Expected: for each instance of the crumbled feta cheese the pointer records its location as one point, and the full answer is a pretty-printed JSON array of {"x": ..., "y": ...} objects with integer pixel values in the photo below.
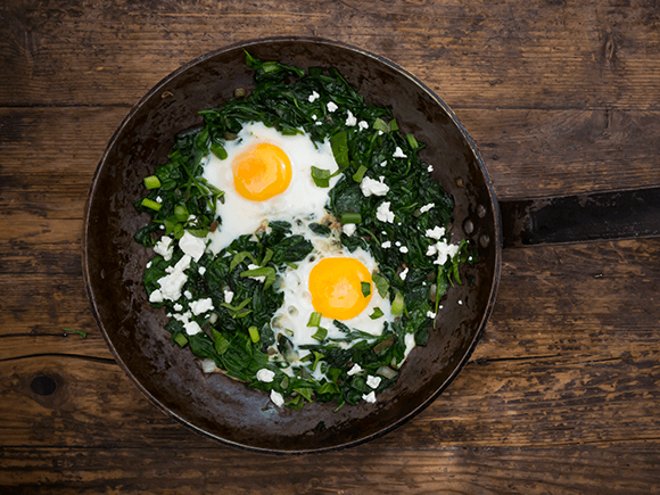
[
  {"x": 383, "y": 212},
  {"x": 397, "y": 243},
  {"x": 431, "y": 314},
  {"x": 354, "y": 370},
  {"x": 426, "y": 208},
  {"x": 178, "y": 307},
  {"x": 403, "y": 249},
  {"x": 156, "y": 296},
  {"x": 349, "y": 229},
  {"x": 443, "y": 250},
  {"x": 159, "y": 199},
  {"x": 430, "y": 168},
  {"x": 351, "y": 120},
  {"x": 398, "y": 153},
  {"x": 380, "y": 133},
  {"x": 362, "y": 125},
  {"x": 436, "y": 233},
  {"x": 201, "y": 306},
  {"x": 277, "y": 398},
  {"x": 165, "y": 247},
  {"x": 460, "y": 302},
  {"x": 370, "y": 397},
  {"x": 171, "y": 284},
  {"x": 313, "y": 97},
  {"x": 370, "y": 186},
  {"x": 409, "y": 340},
  {"x": 386, "y": 245},
  {"x": 192, "y": 246},
  {"x": 202, "y": 270},
  {"x": 383, "y": 163},
  {"x": 229, "y": 296},
  {"x": 314, "y": 117},
  {"x": 265, "y": 375},
  {"x": 149, "y": 264},
  {"x": 404, "y": 274},
  {"x": 332, "y": 106},
  {"x": 188, "y": 294},
  {"x": 373, "y": 381},
  {"x": 192, "y": 328}
]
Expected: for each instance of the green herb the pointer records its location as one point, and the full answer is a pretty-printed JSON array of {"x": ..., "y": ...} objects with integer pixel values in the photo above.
[
  {"x": 366, "y": 288},
  {"x": 377, "y": 313},
  {"x": 320, "y": 334},
  {"x": 350, "y": 218},
  {"x": 321, "y": 177},
  {"x": 314, "y": 320}
]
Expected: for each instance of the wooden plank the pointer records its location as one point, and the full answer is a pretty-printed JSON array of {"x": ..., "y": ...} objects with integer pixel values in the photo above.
[
  {"x": 126, "y": 471},
  {"x": 537, "y": 54}
]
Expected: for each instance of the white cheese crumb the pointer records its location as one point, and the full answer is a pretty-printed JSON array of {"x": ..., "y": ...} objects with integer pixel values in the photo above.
[
  {"x": 192, "y": 246},
  {"x": 409, "y": 340},
  {"x": 178, "y": 307},
  {"x": 386, "y": 245},
  {"x": 349, "y": 229},
  {"x": 192, "y": 328},
  {"x": 277, "y": 398},
  {"x": 313, "y": 97},
  {"x": 404, "y": 274},
  {"x": 156, "y": 296},
  {"x": 430, "y": 168},
  {"x": 149, "y": 264},
  {"x": 436, "y": 233},
  {"x": 397, "y": 243},
  {"x": 370, "y": 397},
  {"x": 398, "y": 153},
  {"x": 460, "y": 302},
  {"x": 171, "y": 284},
  {"x": 362, "y": 125},
  {"x": 159, "y": 199},
  {"x": 188, "y": 294},
  {"x": 403, "y": 249},
  {"x": 314, "y": 117},
  {"x": 201, "y": 306},
  {"x": 380, "y": 133},
  {"x": 351, "y": 120},
  {"x": 431, "y": 314},
  {"x": 354, "y": 370},
  {"x": 265, "y": 375},
  {"x": 426, "y": 208},
  {"x": 443, "y": 250},
  {"x": 165, "y": 247},
  {"x": 260, "y": 278},
  {"x": 202, "y": 270},
  {"x": 383, "y": 163},
  {"x": 332, "y": 106},
  {"x": 373, "y": 381},
  {"x": 229, "y": 295},
  {"x": 383, "y": 212},
  {"x": 370, "y": 186}
]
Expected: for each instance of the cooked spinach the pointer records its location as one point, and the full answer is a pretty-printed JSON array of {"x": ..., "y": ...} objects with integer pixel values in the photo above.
[{"x": 241, "y": 280}]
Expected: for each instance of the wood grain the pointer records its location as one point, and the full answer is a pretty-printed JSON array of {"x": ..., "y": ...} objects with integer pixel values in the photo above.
[{"x": 562, "y": 392}]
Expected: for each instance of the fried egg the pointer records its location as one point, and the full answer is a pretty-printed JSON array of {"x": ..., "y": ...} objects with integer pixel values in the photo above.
[{"x": 267, "y": 176}]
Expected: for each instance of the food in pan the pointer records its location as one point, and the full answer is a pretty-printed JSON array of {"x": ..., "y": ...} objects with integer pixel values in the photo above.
[{"x": 301, "y": 245}]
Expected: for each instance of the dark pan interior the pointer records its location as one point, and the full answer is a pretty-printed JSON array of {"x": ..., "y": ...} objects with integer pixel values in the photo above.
[{"x": 213, "y": 404}]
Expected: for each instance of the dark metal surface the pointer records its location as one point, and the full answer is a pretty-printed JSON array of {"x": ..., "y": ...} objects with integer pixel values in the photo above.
[
  {"x": 585, "y": 217},
  {"x": 215, "y": 405}
]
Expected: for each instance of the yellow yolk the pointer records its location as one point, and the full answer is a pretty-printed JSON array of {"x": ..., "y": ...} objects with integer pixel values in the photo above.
[
  {"x": 261, "y": 172},
  {"x": 336, "y": 287}
]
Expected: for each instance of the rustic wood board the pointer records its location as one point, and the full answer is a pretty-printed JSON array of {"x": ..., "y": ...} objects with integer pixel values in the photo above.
[{"x": 562, "y": 392}]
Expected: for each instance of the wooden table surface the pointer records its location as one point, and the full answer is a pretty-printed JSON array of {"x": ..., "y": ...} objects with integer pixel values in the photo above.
[{"x": 562, "y": 394}]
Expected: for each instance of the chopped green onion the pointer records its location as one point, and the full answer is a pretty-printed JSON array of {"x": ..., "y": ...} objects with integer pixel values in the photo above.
[
  {"x": 239, "y": 258},
  {"x": 412, "y": 141},
  {"x": 357, "y": 176},
  {"x": 220, "y": 343},
  {"x": 380, "y": 125},
  {"x": 366, "y": 288},
  {"x": 218, "y": 150},
  {"x": 265, "y": 271},
  {"x": 150, "y": 203},
  {"x": 152, "y": 182},
  {"x": 321, "y": 177},
  {"x": 268, "y": 255},
  {"x": 317, "y": 358},
  {"x": 320, "y": 334},
  {"x": 181, "y": 339},
  {"x": 376, "y": 314},
  {"x": 397, "y": 304},
  {"x": 386, "y": 371},
  {"x": 270, "y": 66},
  {"x": 350, "y": 218},
  {"x": 314, "y": 320},
  {"x": 254, "y": 334},
  {"x": 393, "y": 125},
  {"x": 382, "y": 285}
]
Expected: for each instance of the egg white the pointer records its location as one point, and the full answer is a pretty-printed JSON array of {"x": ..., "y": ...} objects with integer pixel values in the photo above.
[{"x": 303, "y": 199}]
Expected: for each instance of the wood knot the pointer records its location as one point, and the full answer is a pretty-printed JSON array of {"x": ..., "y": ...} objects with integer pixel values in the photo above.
[
  {"x": 610, "y": 49},
  {"x": 43, "y": 385}
]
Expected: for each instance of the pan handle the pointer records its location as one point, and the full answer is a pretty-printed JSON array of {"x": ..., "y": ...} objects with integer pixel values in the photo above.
[{"x": 585, "y": 217}]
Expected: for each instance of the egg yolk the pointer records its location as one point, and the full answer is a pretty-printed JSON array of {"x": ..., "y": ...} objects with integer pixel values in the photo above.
[
  {"x": 336, "y": 287},
  {"x": 261, "y": 172}
]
